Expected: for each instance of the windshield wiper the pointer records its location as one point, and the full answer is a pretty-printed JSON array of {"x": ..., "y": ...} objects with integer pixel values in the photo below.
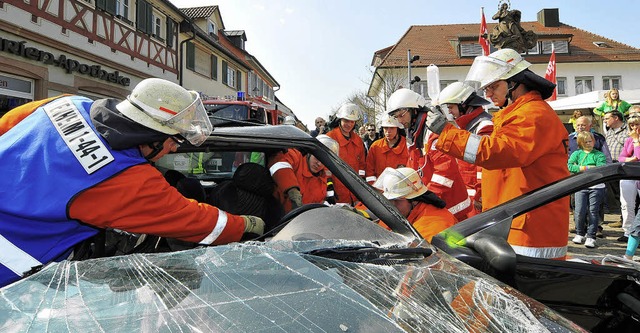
[{"x": 373, "y": 255}]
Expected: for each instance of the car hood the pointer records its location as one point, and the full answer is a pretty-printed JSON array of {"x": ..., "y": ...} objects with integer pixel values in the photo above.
[{"x": 274, "y": 286}]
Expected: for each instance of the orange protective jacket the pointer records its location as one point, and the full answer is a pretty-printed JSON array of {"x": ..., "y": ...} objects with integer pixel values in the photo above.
[
  {"x": 471, "y": 173},
  {"x": 381, "y": 156},
  {"x": 430, "y": 220},
  {"x": 526, "y": 150},
  {"x": 352, "y": 151},
  {"x": 291, "y": 169},
  {"x": 440, "y": 173},
  {"x": 139, "y": 200}
]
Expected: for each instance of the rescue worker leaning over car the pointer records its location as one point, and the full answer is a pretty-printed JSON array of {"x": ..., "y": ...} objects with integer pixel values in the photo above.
[
  {"x": 72, "y": 166},
  {"x": 467, "y": 110},
  {"x": 438, "y": 171},
  {"x": 525, "y": 151},
  {"x": 352, "y": 149},
  {"x": 422, "y": 208},
  {"x": 301, "y": 179}
]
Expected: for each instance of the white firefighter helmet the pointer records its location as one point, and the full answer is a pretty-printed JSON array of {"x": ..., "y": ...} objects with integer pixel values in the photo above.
[
  {"x": 499, "y": 65},
  {"x": 400, "y": 183},
  {"x": 460, "y": 93},
  {"x": 348, "y": 111},
  {"x": 329, "y": 142},
  {"x": 405, "y": 98},
  {"x": 388, "y": 121},
  {"x": 168, "y": 108},
  {"x": 289, "y": 120}
]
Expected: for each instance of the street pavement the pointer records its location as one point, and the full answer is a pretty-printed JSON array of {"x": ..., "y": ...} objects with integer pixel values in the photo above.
[{"x": 604, "y": 246}]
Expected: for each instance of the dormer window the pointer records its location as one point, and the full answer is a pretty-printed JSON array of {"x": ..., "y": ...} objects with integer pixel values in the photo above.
[
  {"x": 212, "y": 30},
  {"x": 603, "y": 45}
]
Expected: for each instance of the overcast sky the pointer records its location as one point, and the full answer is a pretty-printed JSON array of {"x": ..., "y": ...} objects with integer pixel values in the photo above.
[{"x": 319, "y": 51}]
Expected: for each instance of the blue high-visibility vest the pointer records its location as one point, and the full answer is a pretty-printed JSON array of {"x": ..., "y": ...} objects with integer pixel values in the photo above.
[{"x": 46, "y": 160}]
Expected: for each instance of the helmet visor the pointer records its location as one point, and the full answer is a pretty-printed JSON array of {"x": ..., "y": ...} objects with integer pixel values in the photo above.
[
  {"x": 486, "y": 70},
  {"x": 192, "y": 122}
]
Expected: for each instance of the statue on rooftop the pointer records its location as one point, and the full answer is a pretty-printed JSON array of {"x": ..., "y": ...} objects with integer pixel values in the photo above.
[{"x": 508, "y": 33}]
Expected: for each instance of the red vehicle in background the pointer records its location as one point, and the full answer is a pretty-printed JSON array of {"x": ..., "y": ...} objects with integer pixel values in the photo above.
[{"x": 231, "y": 111}]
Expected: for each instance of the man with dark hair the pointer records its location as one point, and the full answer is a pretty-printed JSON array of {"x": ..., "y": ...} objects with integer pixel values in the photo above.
[{"x": 370, "y": 136}]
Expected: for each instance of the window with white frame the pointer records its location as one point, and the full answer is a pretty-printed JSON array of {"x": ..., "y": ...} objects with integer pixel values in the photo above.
[
  {"x": 609, "y": 82},
  {"x": 561, "y": 86},
  {"x": 122, "y": 8},
  {"x": 584, "y": 84},
  {"x": 158, "y": 24},
  {"x": 211, "y": 28},
  {"x": 231, "y": 77},
  {"x": 561, "y": 46}
]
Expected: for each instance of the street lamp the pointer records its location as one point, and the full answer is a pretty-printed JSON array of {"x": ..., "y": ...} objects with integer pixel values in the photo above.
[{"x": 410, "y": 60}]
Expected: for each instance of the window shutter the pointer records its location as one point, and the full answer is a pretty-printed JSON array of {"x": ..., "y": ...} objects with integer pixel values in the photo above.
[
  {"x": 224, "y": 72},
  {"x": 101, "y": 4},
  {"x": 144, "y": 17},
  {"x": 239, "y": 80},
  {"x": 171, "y": 26},
  {"x": 191, "y": 56},
  {"x": 111, "y": 6},
  {"x": 214, "y": 67}
]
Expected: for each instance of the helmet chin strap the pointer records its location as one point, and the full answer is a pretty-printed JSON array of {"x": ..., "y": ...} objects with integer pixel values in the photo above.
[
  {"x": 157, "y": 148},
  {"x": 510, "y": 91}
]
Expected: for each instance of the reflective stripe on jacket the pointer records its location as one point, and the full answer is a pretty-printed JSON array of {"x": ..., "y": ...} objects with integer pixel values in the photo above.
[
  {"x": 440, "y": 173},
  {"x": 525, "y": 151},
  {"x": 291, "y": 169}
]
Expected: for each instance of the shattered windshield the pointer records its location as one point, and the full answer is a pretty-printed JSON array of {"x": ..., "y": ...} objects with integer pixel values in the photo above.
[{"x": 267, "y": 287}]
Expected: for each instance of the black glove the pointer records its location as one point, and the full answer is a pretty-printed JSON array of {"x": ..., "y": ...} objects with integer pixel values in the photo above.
[{"x": 436, "y": 120}]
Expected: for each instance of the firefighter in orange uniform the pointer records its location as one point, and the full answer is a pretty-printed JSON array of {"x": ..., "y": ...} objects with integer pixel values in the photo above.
[
  {"x": 390, "y": 151},
  {"x": 352, "y": 149},
  {"x": 525, "y": 151},
  {"x": 422, "y": 208},
  {"x": 466, "y": 108},
  {"x": 300, "y": 179},
  {"x": 438, "y": 171}
]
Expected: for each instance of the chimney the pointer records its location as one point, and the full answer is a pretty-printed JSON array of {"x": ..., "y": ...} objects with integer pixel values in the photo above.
[{"x": 549, "y": 17}]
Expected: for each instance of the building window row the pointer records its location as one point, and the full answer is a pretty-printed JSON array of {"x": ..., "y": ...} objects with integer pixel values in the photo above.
[{"x": 542, "y": 47}]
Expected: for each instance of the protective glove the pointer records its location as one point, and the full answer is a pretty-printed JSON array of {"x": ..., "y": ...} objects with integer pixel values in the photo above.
[
  {"x": 253, "y": 224},
  {"x": 295, "y": 197},
  {"x": 436, "y": 120}
]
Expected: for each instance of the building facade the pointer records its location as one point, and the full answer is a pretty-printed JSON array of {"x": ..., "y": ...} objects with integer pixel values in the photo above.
[
  {"x": 103, "y": 48},
  {"x": 585, "y": 61}
]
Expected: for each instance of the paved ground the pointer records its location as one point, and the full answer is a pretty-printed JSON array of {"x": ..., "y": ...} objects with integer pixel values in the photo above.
[{"x": 604, "y": 246}]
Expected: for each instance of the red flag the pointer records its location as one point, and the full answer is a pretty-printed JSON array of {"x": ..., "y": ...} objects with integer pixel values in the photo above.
[
  {"x": 550, "y": 74},
  {"x": 482, "y": 38}
]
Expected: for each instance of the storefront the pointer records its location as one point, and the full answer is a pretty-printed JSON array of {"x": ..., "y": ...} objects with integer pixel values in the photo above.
[{"x": 14, "y": 91}]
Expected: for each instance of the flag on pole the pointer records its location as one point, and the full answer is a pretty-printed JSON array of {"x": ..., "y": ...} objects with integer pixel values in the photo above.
[
  {"x": 482, "y": 38},
  {"x": 550, "y": 74}
]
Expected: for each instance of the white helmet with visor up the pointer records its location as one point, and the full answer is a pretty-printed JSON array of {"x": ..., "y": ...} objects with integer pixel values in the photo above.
[
  {"x": 460, "y": 93},
  {"x": 348, "y": 111},
  {"x": 329, "y": 142},
  {"x": 405, "y": 98},
  {"x": 389, "y": 121},
  {"x": 400, "y": 183},
  {"x": 499, "y": 65},
  {"x": 168, "y": 108}
]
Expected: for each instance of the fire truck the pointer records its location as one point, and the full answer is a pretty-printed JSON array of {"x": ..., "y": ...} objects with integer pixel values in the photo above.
[{"x": 235, "y": 110}]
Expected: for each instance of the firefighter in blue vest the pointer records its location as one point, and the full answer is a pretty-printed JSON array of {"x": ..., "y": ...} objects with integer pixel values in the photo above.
[{"x": 72, "y": 166}]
